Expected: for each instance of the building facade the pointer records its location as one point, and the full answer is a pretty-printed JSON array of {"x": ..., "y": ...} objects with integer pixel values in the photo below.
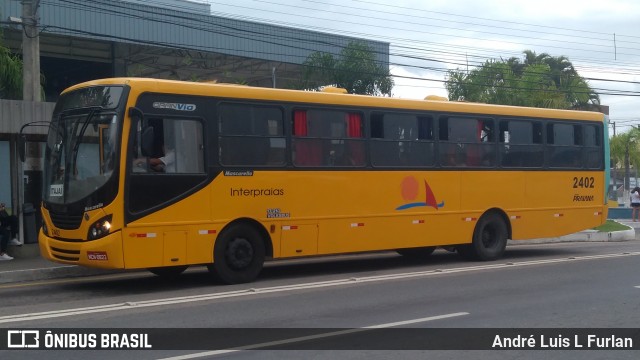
[{"x": 170, "y": 39}]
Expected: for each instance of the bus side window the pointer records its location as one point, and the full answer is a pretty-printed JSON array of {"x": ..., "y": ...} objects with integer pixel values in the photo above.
[
  {"x": 458, "y": 134},
  {"x": 355, "y": 148},
  {"x": 186, "y": 140},
  {"x": 592, "y": 147},
  {"x": 327, "y": 138},
  {"x": 308, "y": 152},
  {"x": 402, "y": 140},
  {"x": 563, "y": 145},
  {"x": 521, "y": 144},
  {"x": 251, "y": 135}
]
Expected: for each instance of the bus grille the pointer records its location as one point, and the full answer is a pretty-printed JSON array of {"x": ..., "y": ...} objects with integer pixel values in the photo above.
[
  {"x": 66, "y": 255},
  {"x": 65, "y": 221}
]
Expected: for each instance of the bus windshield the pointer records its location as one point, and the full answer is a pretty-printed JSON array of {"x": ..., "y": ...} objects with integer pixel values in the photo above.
[{"x": 82, "y": 146}]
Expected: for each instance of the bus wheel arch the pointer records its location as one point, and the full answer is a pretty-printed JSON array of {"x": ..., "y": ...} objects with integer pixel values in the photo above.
[
  {"x": 239, "y": 251},
  {"x": 490, "y": 236}
]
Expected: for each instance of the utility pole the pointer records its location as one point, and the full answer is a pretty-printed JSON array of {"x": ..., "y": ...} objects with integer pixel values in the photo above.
[
  {"x": 614, "y": 128},
  {"x": 30, "y": 51},
  {"x": 273, "y": 76},
  {"x": 30, "y": 83}
]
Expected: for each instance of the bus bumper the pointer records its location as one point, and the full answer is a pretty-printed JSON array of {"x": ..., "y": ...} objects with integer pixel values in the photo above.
[{"x": 105, "y": 253}]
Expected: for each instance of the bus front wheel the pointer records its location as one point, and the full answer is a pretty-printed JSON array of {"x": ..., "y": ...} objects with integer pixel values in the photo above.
[
  {"x": 238, "y": 254},
  {"x": 489, "y": 239}
]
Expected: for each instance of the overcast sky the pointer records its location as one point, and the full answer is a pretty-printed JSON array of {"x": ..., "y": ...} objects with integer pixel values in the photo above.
[{"x": 428, "y": 37}]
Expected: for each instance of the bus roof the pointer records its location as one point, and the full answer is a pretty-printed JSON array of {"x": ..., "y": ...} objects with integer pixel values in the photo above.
[{"x": 141, "y": 85}]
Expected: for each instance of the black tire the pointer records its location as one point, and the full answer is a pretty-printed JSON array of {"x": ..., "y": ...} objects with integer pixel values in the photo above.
[
  {"x": 169, "y": 272},
  {"x": 417, "y": 253},
  {"x": 489, "y": 239},
  {"x": 238, "y": 255}
]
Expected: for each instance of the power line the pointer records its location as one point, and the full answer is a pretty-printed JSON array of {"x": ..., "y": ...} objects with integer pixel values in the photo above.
[
  {"x": 480, "y": 18},
  {"x": 236, "y": 29},
  {"x": 85, "y": 6},
  {"x": 265, "y": 20}
]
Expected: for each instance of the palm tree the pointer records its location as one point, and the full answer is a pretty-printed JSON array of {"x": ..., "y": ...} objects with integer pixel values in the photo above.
[
  {"x": 560, "y": 66},
  {"x": 531, "y": 58},
  {"x": 516, "y": 66},
  {"x": 577, "y": 91},
  {"x": 355, "y": 69}
]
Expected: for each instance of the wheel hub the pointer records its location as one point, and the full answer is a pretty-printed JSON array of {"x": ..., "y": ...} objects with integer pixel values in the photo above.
[{"x": 239, "y": 253}]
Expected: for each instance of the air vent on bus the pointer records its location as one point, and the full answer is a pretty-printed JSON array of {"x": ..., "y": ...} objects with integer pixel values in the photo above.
[
  {"x": 334, "y": 90},
  {"x": 66, "y": 221},
  {"x": 66, "y": 255},
  {"x": 436, "y": 98}
]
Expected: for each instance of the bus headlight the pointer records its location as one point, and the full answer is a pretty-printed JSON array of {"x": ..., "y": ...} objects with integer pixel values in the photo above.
[
  {"x": 100, "y": 228},
  {"x": 44, "y": 228}
]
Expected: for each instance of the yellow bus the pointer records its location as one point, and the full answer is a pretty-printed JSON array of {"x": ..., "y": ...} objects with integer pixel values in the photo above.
[{"x": 158, "y": 174}]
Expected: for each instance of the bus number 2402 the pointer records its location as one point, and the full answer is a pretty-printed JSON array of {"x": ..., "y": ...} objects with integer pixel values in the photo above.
[{"x": 583, "y": 182}]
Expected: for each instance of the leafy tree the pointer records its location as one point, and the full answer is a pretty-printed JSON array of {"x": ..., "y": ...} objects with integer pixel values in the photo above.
[
  {"x": 355, "y": 69},
  {"x": 10, "y": 74},
  {"x": 625, "y": 149},
  {"x": 537, "y": 80}
]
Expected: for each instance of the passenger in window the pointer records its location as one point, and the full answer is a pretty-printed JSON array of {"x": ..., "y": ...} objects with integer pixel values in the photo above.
[{"x": 166, "y": 163}]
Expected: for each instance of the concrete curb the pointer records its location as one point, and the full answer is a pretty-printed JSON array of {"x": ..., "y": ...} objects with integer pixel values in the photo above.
[
  {"x": 28, "y": 265},
  {"x": 584, "y": 236},
  {"x": 49, "y": 273}
]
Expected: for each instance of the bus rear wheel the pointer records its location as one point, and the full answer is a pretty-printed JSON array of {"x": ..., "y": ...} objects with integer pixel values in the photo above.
[
  {"x": 238, "y": 255},
  {"x": 417, "y": 253},
  {"x": 168, "y": 272},
  {"x": 489, "y": 239}
]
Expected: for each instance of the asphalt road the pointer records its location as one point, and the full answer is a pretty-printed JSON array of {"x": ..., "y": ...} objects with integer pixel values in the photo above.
[{"x": 568, "y": 285}]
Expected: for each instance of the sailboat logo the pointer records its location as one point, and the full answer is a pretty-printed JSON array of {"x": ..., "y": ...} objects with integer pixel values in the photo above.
[{"x": 410, "y": 189}]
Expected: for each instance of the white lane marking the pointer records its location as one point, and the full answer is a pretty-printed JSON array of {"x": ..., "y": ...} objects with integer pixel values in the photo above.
[
  {"x": 314, "y": 337},
  {"x": 288, "y": 288},
  {"x": 637, "y": 286}
]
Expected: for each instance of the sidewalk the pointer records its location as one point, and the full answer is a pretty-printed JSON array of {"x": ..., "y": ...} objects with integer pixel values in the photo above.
[
  {"x": 592, "y": 235},
  {"x": 27, "y": 264}
]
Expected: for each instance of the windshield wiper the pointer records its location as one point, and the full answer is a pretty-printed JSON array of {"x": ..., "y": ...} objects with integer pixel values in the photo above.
[
  {"x": 93, "y": 111},
  {"x": 72, "y": 160}
]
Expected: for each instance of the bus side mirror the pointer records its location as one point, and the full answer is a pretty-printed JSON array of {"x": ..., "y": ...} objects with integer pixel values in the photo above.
[
  {"x": 22, "y": 142},
  {"x": 135, "y": 112},
  {"x": 146, "y": 141}
]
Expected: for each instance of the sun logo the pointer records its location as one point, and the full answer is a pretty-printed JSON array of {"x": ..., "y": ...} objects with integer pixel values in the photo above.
[{"x": 410, "y": 189}]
